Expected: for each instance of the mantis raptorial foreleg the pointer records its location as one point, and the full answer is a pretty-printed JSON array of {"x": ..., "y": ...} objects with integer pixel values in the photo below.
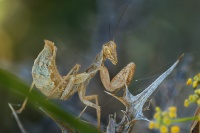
[
  {"x": 25, "y": 101},
  {"x": 123, "y": 78}
]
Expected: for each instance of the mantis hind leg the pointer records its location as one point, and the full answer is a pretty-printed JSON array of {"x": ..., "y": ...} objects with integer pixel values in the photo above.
[{"x": 25, "y": 101}]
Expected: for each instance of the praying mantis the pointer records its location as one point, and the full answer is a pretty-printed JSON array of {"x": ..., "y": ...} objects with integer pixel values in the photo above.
[{"x": 48, "y": 80}]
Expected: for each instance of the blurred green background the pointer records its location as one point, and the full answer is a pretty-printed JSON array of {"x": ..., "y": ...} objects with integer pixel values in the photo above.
[{"x": 152, "y": 34}]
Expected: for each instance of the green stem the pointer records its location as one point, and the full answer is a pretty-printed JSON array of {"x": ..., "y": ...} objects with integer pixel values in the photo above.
[{"x": 185, "y": 119}]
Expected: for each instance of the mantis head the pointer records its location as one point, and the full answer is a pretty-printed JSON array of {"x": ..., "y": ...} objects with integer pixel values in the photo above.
[{"x": 109, "y": 51}]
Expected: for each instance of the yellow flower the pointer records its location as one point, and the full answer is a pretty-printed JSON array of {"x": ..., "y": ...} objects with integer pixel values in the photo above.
[
  {"x": 158, "y": 109},
  {"x": 175, "y": 129},
  {"x": 157, "y": 125},
  {"x": 166, "y": 121},
  {"x": 151, "y": 125},
  {"x": 198, "y": 102},
  {"x": 186, "y": 103},
  {"x": 193, "y": 98},
  {"x": 164, "y": 114},
  {"x": 195, "y": 83},
  {"x": 189, "y": 81},
  {"x": 156, "y": 115},
  {"x": 197, "y": 77},
  {"x": 163, "y": 129},
  {"x": 172, "y": 109},
  {"x": 172, "y": 114},
  {"x": 197, "y": 91}
]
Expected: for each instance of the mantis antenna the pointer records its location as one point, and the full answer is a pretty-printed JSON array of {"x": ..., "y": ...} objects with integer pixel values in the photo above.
[{"x": 120, "y": 18}]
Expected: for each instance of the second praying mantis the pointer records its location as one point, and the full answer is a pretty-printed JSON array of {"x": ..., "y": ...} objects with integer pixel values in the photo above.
[{"x": 48, "y": 80}]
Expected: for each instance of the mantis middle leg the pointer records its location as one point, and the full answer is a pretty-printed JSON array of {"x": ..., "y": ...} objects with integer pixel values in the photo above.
[
  {"x": 87, "y": 102},
  {"x": 68, "y": 82}
]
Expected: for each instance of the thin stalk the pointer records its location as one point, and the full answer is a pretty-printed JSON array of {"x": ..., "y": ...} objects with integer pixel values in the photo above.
[
  {"x": 185, "y": 119},
  {"x": 17, "y": 119}
]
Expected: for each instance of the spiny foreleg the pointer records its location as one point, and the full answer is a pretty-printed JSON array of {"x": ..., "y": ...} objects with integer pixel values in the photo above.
[{"x": 123, "y": 78}]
